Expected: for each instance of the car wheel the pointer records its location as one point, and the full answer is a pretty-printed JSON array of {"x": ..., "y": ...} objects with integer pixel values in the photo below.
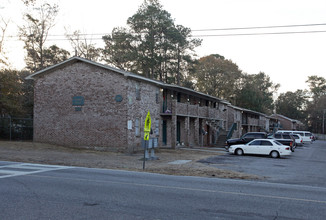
[
  {"x": 239, "y": 152},
  {"x": 275, "y": 154}
]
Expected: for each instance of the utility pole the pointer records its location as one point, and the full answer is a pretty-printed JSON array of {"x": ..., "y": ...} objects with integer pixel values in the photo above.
[{"x": 324, "y": 111}]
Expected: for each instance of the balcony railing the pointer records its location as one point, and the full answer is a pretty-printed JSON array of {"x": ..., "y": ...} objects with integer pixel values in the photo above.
[{"x": 186, "y": 109}]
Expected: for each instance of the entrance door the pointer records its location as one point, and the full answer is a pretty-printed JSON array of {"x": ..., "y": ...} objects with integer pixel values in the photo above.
[
  {"x": 164, "y": 132},
  {"x": 178, "y": 132}
]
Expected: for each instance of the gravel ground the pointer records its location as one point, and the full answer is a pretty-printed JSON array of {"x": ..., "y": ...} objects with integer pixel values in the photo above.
[{"x": 184, "y": 162}]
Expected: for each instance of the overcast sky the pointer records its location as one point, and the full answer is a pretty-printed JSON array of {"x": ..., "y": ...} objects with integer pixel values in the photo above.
[{"x": 287, "y": 58}]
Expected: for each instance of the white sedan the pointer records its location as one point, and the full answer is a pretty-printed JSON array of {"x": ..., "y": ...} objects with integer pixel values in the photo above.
[{"x": 261, "y": 146}]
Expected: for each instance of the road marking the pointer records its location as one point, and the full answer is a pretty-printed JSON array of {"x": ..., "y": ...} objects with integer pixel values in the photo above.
[
  {"x": 21, "y": 169},
  {"x": 190, "y": 189},
  {"x": 177, "y": 162}
]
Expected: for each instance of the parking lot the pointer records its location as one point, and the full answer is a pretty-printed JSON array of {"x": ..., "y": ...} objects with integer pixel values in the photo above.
[{"x": 306, "y": 166}]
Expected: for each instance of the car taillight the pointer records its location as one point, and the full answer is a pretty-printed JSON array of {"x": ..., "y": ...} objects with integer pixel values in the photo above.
[
  {"x": 301, "y": 141},
  {"x": 287, "y": 148}
]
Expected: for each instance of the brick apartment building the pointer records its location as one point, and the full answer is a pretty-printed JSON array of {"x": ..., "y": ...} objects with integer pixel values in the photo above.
[
  {"x": 80, "y": 103},
  {"x": 286, "y": 123}
]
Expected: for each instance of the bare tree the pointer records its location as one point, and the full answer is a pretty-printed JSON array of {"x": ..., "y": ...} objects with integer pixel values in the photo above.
[
  {"x": 35, "y": 34},
  {"x": 3, "y": 28},
  {"x": 83, "y": 47},
  {"x": 29, "y": 2}
]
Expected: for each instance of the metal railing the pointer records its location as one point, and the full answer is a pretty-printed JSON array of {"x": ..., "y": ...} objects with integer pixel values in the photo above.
[{"x": 16, "y": 128}]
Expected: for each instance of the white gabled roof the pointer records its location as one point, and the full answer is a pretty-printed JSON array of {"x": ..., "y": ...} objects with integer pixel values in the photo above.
[
  {"x": 247, "y": 110},
  {"x": 282, "y": 116},
  {"x": 125, "y": 73}
]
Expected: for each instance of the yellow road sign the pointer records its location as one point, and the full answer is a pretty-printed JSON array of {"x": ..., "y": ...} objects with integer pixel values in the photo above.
[
  {"x": 146, "y": 136},
  {"x": 147, "y": 126}
]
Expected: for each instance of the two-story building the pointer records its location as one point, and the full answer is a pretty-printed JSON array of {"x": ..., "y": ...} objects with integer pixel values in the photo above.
[{"x": 81, "y": 103}]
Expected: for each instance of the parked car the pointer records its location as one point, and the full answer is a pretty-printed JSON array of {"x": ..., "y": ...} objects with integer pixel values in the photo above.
[
  {"x": 313, "y": 137},
  {"x": 246, "y": 138},
  {"x": 285, "y": 139},
  {"x": 298, "y": 139},
  {"x": 306, "y": 135},
  {"x": 263, "y": 147}
]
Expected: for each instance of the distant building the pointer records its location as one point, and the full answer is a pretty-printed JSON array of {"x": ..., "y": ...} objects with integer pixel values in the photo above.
[{"x": 285, "y": 123}]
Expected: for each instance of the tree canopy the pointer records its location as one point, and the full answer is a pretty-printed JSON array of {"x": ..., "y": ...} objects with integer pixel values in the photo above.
[
  {"x": 256, "y": 93},
  {"x": 217, "y": 76},
  {"x": 152, "y": 45},
  {"x": 292, "y": 104},
  {"x": 316, "y": 107},
  {"x": 16, "y": 95}
]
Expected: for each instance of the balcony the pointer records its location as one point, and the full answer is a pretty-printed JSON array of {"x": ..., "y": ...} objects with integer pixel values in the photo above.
[{"x": 186, "y": 109}]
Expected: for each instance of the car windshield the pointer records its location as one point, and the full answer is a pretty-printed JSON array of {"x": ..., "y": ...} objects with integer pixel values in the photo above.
[
  {"x": 276, "y": 142},
  {"x": 300, "y": 133},
  {"x": 255, "y": 142},
  {"x": 286, "y": 136},
  {"x": 295, "y": 136}
]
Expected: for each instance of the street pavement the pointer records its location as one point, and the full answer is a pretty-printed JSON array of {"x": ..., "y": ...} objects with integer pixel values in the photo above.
[
  {"x": 31, "y": 191},
  {"x": 306, "y": 166}
]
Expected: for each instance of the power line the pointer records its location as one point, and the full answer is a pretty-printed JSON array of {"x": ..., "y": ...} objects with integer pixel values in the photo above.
[
  {"x": 213, "y": 35},
  {"x": 251, "y": 34},
  {"x": 261, "y": 27},
  {"x": 229, "y": 35}
]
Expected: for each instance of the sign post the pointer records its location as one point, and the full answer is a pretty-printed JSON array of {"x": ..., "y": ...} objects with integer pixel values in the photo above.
[{"x": 147, "y": 129}]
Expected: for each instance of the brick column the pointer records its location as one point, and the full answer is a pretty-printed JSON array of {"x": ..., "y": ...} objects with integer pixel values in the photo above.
[
  {"x": 174, "y": 124},
  {"x": 187, "y": 131},
  {"x": 174, "y": 131},
  {"x": 196, "y": 134}
]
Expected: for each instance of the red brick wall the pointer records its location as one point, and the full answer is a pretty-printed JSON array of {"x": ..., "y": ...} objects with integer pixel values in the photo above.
[{"x": 100, "y": 123}]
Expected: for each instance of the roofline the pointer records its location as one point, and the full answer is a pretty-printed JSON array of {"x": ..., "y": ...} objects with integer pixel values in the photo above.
[
  {"x": 126, "y": 74},
  {"x": 282, "y": 116},
  {"x": 248, "y": 110}
]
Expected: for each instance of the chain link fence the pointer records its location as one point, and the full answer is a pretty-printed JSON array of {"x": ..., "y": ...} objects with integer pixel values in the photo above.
[{"x": 17, "y": 129}]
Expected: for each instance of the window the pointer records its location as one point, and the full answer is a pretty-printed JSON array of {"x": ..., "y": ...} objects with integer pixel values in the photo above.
[
  {"x": 137, "y": 127},
  {"x": 266, "y": 143},
  {"x": 286, "y": 136},
  {"x": 178, "y": 97},
  {"x": 157, "y": 96},
  {"x": 278, "y": 136},
  {"x": 276, "y": 142},
  {"x": 255, "y": 142},
  {"x": 249, "y": 136},
  {"x": 259, "y": 136},
  {"x": 137, "y": 91}
]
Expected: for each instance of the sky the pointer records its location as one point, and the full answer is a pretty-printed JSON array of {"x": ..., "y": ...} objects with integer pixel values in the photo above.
[{"x": 287, "y": 58}]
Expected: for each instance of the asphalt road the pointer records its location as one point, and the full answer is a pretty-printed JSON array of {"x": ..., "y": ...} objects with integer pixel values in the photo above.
[
  {"x": 306, "y": 166},
  {"x": 30, "y": 191}
]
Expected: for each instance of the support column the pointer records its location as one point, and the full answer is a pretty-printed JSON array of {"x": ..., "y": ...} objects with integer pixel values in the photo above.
[
  {"x": 201, "y": 136},
  {"x": 196, "y": 134},
  {"x": 187, "y": 131},
  {"x": 174, "y": 131},
  {"x": 174, "y": 124}
]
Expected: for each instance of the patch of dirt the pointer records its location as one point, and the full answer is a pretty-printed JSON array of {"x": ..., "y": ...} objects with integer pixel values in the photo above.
[{"x": 30, "y": 152}]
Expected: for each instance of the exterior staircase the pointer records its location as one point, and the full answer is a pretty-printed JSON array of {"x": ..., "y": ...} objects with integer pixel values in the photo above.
[{"x": 220, "y": 142}]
